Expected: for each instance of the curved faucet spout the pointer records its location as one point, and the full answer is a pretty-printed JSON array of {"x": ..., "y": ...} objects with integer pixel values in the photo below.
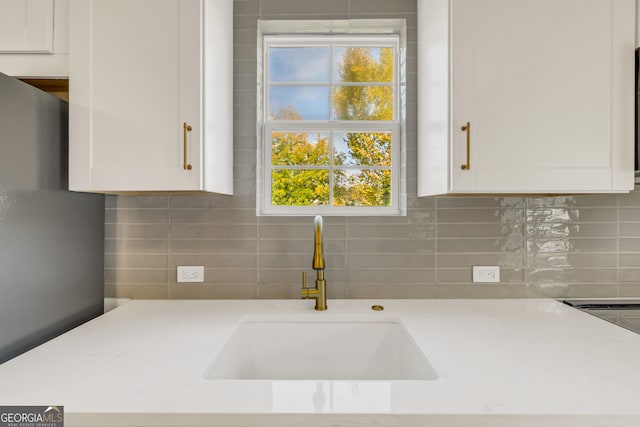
[
  {"x": 319, "y": 293},
  {"x": 318, "y": 253}
]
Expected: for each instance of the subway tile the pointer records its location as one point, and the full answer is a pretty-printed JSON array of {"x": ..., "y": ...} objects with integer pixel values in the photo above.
[
  {"x": 479, "y": 215},
  {"x": 212, "y": 246},
  {"x": 301, "y": 220},
  {"x": 391, "y": 246},
  {"x": 411, "y": 19},
  {"x": 124, "y": 261},
  {"x": 232, "y": 261},
  {"x": 629, "y": 229},
  {"x": 575, "y": 245},
  {"x": 599, "y": 200},
  {"x": 245, "y": 52},
  {"x": 247, "y": 38},
  {"x": 299, "y": 246},
  {"x": 247, "y": 98},
  {"x": 513, "y": 260},
  {"x": 483, "y": 290},
  {"x": 136, "y": 231},
  {"x": 608, "y": 214},
  {"x": 300, "y": 231},
  {"x": 630, "y": 214},
  {"x": 288, "y": 7},
  {"x": 629, "y": 260},
  {"x": 214, "y": 231},
  {"x": 245, "y": 84},
  {"x": 300, "y": 261},
  {"x": 212, "y": 291},
  {"x": 246, "y": 7},
  {"x": 629, "y": 244},
  {"x": 245, "y": 22},
  {"x": 223, "y": 276},
  {"x": 212, "y": 202},
  {"x": 139, "y": 291},
  {"x": 420, "y": 203},
  {"x": 136, "y": 276},
  {"x": 109, "y": 291},
  {"x": 394, "y": 261},
  {"x": 627, "y": 290},
  {"x": 474, "y": 202},
  {"x": 566, "y": 230},
  {"x": 464, "y": 275},
  {"x": 136, "y": 202},
  {"x": 383, "y": 6},
  {"x": 491, "y": 245},
  {"x": 391, "y": 276},
  {"x": 244, "y": 67},
  {"x": 136, "y": 246},
  {"x": 571, "y": 290},
  {"x": 571, "y": 260},
  {"x": 572, "y": 275},
  {"x": 481, "y": 230},
  {"x": 392, "y": 291},
  {"x": 213, "y": 216},
  {"x": 391, "y": 231},
  {"x": 629, "y": 275},
  {"x": 137, "y": 216},
  {"x": 630, "y": 199}
]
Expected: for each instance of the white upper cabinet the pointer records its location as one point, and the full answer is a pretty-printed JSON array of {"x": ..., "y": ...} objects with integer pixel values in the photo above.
[
  {"x": 26, "y": 26},
  {"x": 151, "y": 96},
  {"x": 521, "y": 96},
  {"x": 34, "y": 38}
]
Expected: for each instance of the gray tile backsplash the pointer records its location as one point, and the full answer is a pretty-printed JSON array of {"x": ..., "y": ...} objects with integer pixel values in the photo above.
[{"x": 576, "y": 246}]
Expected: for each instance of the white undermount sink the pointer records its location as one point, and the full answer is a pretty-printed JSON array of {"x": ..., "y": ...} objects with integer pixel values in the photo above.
[{"x": 320, "y": 350}]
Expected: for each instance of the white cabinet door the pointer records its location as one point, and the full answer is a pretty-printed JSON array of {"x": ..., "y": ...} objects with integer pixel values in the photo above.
[
  {"x": 546, "y": 86},
  {"x": 26, "y": 26},
  {"x": 136, "y": 97}
]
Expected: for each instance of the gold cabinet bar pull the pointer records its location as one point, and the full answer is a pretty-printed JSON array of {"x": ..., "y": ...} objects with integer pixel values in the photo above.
[
  {"x": 467, "y": 128},
  {"x": 186, "y": 128}
]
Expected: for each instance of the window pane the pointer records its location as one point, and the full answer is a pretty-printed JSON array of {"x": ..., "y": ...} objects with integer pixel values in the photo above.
[
  {"x": 299, "y": 64},
  {"x": 363, "y": 103},
  {"x": 362, "y": 149},
  {"x": 363, "y": 64},
  {"x": 299, "y": 103},
  {"x": 356, "y": 187},
  {"x": 299, "y": 187},
  {"x": 291, "y": 148}
]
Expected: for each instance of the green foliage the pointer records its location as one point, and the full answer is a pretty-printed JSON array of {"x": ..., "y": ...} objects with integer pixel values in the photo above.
[
  {"x": 354, "y": 184},
  {"x": 355, "y": 102}
]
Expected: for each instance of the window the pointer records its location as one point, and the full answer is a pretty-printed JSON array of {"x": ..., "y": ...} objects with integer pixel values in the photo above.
[{"x": 330, "y": 137}]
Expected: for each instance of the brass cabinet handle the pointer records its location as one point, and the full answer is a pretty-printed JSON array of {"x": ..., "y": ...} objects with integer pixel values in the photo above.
[
  {"x": 186, "y": 129},
  {"x": 467, "y": 128}
]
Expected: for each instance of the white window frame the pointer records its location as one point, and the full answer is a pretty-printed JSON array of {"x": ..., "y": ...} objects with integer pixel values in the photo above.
[{"x": 266, "y": 126}]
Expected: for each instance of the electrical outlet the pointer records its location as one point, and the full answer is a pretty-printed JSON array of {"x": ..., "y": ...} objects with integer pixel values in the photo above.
[
  {"x": 486, "y": 274},
  {"x": 193, "y": 273}
]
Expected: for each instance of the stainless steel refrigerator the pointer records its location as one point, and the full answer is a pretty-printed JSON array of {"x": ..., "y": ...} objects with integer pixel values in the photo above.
[{"x": 51, "y": 240}]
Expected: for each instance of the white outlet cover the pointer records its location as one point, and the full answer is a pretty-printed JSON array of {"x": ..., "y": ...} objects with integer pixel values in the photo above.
[
  {"x": 190, "y": 274},
  {"x": 486, "y": 274}
]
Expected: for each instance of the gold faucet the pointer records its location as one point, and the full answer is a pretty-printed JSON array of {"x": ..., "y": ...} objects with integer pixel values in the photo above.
[{"x": 319, "y": 293}]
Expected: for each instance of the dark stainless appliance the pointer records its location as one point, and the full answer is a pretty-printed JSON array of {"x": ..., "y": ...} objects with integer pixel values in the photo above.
[
  {"x": 51, "y": 240},
  {"x": 637, "y": 115},
  {"x": 625, "y": 313}
]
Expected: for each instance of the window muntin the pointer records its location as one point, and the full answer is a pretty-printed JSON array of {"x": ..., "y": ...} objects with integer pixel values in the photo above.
[{"x": 331, "y": 127}]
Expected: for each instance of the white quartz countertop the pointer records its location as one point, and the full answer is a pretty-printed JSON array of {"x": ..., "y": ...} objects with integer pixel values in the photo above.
[{"x": 514, "y": 363}]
